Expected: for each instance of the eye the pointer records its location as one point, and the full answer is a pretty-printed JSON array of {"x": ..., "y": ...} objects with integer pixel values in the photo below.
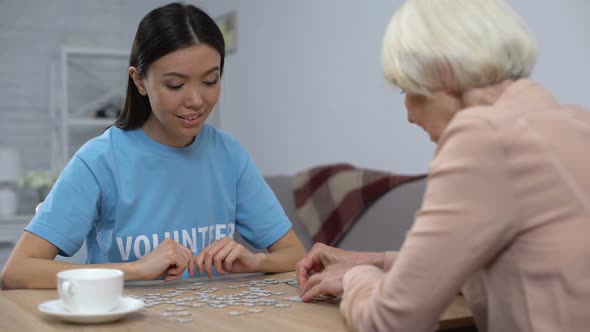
[
  {"x": 210, "y": 83},
  {"x": 174, "y": 87}
]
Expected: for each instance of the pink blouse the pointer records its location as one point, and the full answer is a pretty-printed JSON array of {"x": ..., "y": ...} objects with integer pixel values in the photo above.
[{"x": 505, "y": 216}]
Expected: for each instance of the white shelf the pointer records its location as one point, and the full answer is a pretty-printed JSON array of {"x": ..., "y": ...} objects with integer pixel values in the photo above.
[
  {"x": 91, "y": 106},
  {"x": 79, "y": 118},
  {"x": 91, "y": 122}
]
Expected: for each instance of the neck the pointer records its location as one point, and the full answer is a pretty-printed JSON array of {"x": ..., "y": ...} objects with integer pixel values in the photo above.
[
  {"x": 487, "y": 95},
  {"x": 158, "y": 133}
]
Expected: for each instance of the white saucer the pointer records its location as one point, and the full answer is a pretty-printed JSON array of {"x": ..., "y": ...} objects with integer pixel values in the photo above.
[{"x": 126, "y": 306}]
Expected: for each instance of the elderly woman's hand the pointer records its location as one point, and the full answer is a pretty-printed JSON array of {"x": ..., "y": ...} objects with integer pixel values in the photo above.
[
  {"x": 321, "y": 257},
  {"x": 318, "y": 259},
  {"x": 328, "y": 282}
]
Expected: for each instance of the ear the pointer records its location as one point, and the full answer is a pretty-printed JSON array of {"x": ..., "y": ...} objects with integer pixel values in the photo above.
[{"x": 137, "y": 80}]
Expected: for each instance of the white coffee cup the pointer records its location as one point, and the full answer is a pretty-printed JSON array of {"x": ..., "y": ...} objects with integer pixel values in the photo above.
[{"x": 90, "y": 291}]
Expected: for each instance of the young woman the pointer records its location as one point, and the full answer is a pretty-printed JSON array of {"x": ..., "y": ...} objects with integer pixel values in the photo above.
[{"x": 160, "y": 186}]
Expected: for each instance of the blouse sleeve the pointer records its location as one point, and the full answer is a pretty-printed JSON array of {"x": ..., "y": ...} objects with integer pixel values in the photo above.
[
  {"x": 468, "y": 215},
  {"x": 388, "y": 260}
]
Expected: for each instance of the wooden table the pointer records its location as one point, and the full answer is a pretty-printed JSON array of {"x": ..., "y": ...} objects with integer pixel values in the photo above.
[{"x": 18, "y": 311}]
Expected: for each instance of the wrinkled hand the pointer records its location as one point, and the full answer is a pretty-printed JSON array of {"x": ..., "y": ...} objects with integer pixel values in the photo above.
[
  {"x": 319, "y": 258},
  {"x": 328, "y": 282},
  {"x": 170, "y": 259},
  {"x": 227, "y": 256}
]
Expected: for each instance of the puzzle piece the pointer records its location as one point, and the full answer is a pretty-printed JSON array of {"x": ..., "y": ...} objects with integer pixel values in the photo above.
[{"x": 252, "y": 294}]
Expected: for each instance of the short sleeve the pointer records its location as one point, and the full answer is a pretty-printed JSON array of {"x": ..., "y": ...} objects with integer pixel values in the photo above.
[
  {"x": 72, "y": 207},
  {"x": 260, "y": 218}
]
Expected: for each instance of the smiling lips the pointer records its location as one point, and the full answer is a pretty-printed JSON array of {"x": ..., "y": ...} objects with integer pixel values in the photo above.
[{"x": 191, "y": 119}]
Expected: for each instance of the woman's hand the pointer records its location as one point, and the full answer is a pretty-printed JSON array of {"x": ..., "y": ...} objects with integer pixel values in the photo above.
[
  {"x": 169, "y": 260},
  {"x": 328, "y": 282},
  {"x": 319, "y": 258},
  {"x": 227, "y": 256}
]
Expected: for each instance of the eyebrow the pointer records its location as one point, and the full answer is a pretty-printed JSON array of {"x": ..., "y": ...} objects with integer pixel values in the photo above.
[{"x": 181, "y": 75}]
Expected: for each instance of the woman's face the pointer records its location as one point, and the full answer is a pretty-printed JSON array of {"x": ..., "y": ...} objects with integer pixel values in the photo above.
[
  {"x": 433, "y": 113},
  {"x": 183, "y": 87}
]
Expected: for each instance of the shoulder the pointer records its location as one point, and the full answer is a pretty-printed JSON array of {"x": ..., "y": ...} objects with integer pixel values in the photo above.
[
  {"x": 220, "y": 139},
  {"x": 97, "y": 144},
  {"x": 469, "y": 124},
  {"x": 472, "y": 136},
  {"x": 104, "y": 145},
  {"x": 216, "y": 134}
]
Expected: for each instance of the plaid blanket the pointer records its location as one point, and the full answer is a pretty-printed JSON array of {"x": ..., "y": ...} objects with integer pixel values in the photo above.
[{"x": 330, "y": 198}]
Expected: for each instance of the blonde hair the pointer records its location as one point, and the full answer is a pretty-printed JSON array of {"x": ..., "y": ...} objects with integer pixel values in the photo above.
[{"x": 455, "y": 45}]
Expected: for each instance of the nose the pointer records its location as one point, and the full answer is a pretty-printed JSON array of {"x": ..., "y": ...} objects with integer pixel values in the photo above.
[
  {"x": 407, "y": 105},
  {"x": 194, "y": 99}
]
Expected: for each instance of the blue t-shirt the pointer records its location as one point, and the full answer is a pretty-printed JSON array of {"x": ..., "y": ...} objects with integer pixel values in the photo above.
[{"x": 125, "y": 193}]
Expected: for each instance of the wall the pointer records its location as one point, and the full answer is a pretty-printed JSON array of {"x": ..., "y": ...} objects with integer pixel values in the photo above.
[
  {"x": 31, "y": 33},
  {"x": 304, "y": 88}
]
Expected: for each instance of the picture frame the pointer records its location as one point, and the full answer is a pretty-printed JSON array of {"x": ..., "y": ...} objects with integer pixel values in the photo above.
[{"x": 227, "y": 25}]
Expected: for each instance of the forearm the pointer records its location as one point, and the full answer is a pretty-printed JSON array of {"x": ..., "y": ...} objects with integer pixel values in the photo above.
[
  {"x": 41, "y": 273},
  {"x": 358, "y": 285},
  {"x": 282, "y": 260},
  {"x": 377, "y": 259},
  {"x": 370, "y": 304},
  {"x": 282, "y": 256}
]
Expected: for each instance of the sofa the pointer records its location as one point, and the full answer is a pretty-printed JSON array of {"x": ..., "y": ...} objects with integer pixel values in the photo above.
[{"x": 381, "y": 227}]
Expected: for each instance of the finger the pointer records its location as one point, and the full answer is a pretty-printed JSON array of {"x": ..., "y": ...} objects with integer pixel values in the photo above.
[
  {"x": 200, "y": 259},
  {"x": 190, "y": 261},
  {"x": 302, "y": 270},
  {"x": 232, "y": 257},
  {"x": 179, "y": 260},
  {"x": 317, "y": 290},
  {"x": 308, "y": 266},
  {"x": 171, "y": 273},
  {"x": 301, "y": 267},
  {"x": 311, "y": 282},
  {"x": 208, "y": 253},
  {"x": 178, "y": 264},
  {"x": 172, "y": 277},
  {"x": 219, "y": 244},
  {"x": 185, "y": 256},
  {"x": 208, "y": 262},
  {"x": 221, "y": 255}
]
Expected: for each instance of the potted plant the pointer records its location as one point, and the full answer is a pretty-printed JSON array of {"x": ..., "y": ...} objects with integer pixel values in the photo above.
[{"x": 40, "y": 181}]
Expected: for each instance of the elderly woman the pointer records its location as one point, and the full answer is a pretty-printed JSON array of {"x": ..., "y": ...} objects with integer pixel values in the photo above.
[{"x": 506, "y": 213}]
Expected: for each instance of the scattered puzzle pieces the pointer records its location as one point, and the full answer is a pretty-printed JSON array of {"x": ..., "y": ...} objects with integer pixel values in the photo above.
[{"x": 252, "y": 294}]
